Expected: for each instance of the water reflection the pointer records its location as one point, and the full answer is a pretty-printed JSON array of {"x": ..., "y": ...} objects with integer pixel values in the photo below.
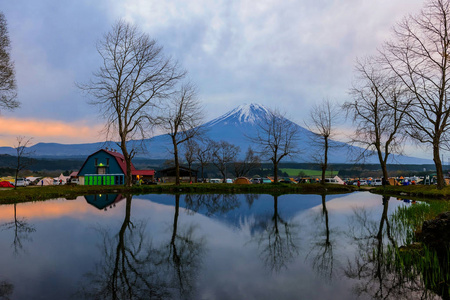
[
  {"x": 184, "y": 255},
  {"x": 127, "y": 269},
  {"x": 322, "y": 246},
  {"x": 6, "y": 289},
  {"x": 211, "y": 204},
  {"x": 277, "y": 239},
  {"x": 102, "y": 201},
  {"x": 132, "y": 267},
  {"x": 22, "y": 231},
  {"x": 373, "y": 264},
  {"x": 206, "y": 246}
]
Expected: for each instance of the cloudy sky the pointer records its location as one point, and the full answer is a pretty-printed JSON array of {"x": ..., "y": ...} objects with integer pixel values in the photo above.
[{"x": 282, "y": 54}]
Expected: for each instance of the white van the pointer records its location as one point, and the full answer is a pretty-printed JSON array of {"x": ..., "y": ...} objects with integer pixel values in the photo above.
[
  {"x": 377, "y": 182},
  {"x": 21, "y": 182}
]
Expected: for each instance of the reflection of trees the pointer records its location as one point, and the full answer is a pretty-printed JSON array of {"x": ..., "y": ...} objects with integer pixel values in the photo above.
[
  {"x": 374, "y": 264},
  {"x": 184, "y": 256},
  {"x": 322, "y": 250},
  {"x": 250, "y": 198},
  {"x": 132, "y": 268},
  {"x": 6, "y": 289},
  {"x": 212, "y": 203},
  {"x": 276, "y": 241},
  {"x": 22, "y": 230},
  {"x": 129, "y": 266}
]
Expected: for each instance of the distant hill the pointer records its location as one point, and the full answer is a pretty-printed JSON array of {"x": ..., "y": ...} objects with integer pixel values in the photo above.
[{"x": 235, "y": 127}]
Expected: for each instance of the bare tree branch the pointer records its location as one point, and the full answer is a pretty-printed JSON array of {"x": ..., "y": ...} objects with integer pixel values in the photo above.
[{"x": 134, "y": 78}]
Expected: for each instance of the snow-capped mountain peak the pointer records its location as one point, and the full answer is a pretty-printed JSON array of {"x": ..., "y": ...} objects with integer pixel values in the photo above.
[{"x": 245, "y": 113}]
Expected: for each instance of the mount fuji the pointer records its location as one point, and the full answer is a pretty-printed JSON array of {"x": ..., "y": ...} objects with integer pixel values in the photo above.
[{"x": 236, "y": 126}]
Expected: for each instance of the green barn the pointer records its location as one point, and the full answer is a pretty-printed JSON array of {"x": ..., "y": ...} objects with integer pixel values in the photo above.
[{"x": 108, "y": 167}]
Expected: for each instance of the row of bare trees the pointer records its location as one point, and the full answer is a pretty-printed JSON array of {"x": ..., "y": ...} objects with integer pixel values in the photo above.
[
  {"x": 222, "y": 155},
  {"x": 403, "y": 91}
]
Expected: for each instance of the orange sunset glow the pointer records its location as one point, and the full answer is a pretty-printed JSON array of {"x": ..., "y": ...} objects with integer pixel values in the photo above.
[{"x": 48, "y": 131}]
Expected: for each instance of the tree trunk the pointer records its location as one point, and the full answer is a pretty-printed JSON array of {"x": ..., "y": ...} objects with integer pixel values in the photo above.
[
  {"x": 203, "y": 176},
  {"x": 15, "y": 182},
  {"x": 325, "y": 159},
  {"x": 177, "y": 164},
  {"x": 224, "y": 173},
  {"x": 385, "y": 180},
  {"x": 438, "y": 164},
  {"x": 190, "y": 174},
  {"x": 275, "y": 171},
  {"x": 126, "y": 156},
  {"x": 383, "y": 165}
]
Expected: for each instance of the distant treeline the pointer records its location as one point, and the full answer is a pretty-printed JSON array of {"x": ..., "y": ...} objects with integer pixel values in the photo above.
[{"x": 46, "y": 166}]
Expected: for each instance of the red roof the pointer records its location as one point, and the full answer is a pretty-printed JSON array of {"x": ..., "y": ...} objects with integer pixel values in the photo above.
[
  {"x": 122, "y": 164},
  {"x": 121, "y": 161},
  {"x": 143, "y": 172}
]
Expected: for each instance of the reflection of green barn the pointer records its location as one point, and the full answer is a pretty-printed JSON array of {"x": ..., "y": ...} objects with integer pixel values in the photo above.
[
  {"x": 102, "y": 201},
  {"x": 106, "y": 167}
]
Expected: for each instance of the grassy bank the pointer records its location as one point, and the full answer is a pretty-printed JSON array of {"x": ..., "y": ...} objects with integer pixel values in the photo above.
[
  {"x": 418, "y": 191},
  {"x": 38, "y": 193}
]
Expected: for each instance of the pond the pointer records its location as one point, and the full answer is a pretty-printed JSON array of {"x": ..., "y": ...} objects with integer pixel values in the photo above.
[{"x": 198, "y": 247}]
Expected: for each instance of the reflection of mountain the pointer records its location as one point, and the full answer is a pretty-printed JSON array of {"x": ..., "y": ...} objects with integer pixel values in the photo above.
[
  {"x": 243, "y": 211},
  {"x": 102, "y": 201}
]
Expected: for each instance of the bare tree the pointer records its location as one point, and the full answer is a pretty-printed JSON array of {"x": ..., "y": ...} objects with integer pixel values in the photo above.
[
  {"x": 419, "y": 56},
  {"x": 378, "y": 112},
  {"x": 134, "y": 77},
  {"x": 224, "y": 153},
  {"x": 8, "y": 87},
  {"x": 322, "y": 120},
  {"x": 181, "y": 119},
  {"x": 277, "y": 139},
  {"x": 250, "y": 162},
  {"x": 204, "y": 155},
  {"x": 23, "y": 155},
  {"x": 190, "y": 148}
]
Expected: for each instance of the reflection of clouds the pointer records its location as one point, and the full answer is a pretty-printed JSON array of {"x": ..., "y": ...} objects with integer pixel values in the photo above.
[{"x": 52, "y": 209}]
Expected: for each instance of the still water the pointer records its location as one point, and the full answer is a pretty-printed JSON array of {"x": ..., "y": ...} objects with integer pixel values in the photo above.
[{"x": 196, "y": 247}]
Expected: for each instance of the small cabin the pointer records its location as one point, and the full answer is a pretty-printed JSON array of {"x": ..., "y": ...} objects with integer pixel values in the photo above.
[{"x": 186, "y": 175}]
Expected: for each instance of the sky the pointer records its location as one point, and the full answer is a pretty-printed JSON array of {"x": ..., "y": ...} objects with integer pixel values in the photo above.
[{"x": 282, "y": 54}]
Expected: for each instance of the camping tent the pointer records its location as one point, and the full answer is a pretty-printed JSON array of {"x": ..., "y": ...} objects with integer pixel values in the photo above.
[
  {"x": 339, "y": 180},
  {"x": 61, "y": 178},
  {"x": 46, "y": 181},
  {"x": 242, "y": 180},
  {"x": 6, "y": 184}
]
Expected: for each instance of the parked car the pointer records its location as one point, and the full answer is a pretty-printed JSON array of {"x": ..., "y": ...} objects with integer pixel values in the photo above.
[
  {"x": 21, "y": 182},
  {"x": 377, "y": 182},
  {"x": 257, "y": 180},
  {"x": 361, "y": 182}
]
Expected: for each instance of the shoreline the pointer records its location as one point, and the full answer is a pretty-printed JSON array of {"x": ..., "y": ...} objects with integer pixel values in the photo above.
[{"x": 41, "y": 193}]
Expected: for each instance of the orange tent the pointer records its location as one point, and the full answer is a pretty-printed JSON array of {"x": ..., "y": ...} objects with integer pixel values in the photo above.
[{"x": 242, "y": 180}]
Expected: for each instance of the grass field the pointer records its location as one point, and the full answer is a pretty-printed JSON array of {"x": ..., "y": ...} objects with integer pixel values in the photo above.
[{"x": 295, "y": 172}]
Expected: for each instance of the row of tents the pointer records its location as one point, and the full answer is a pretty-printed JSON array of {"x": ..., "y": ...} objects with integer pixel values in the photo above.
[{"x": 61, "y": 179}]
